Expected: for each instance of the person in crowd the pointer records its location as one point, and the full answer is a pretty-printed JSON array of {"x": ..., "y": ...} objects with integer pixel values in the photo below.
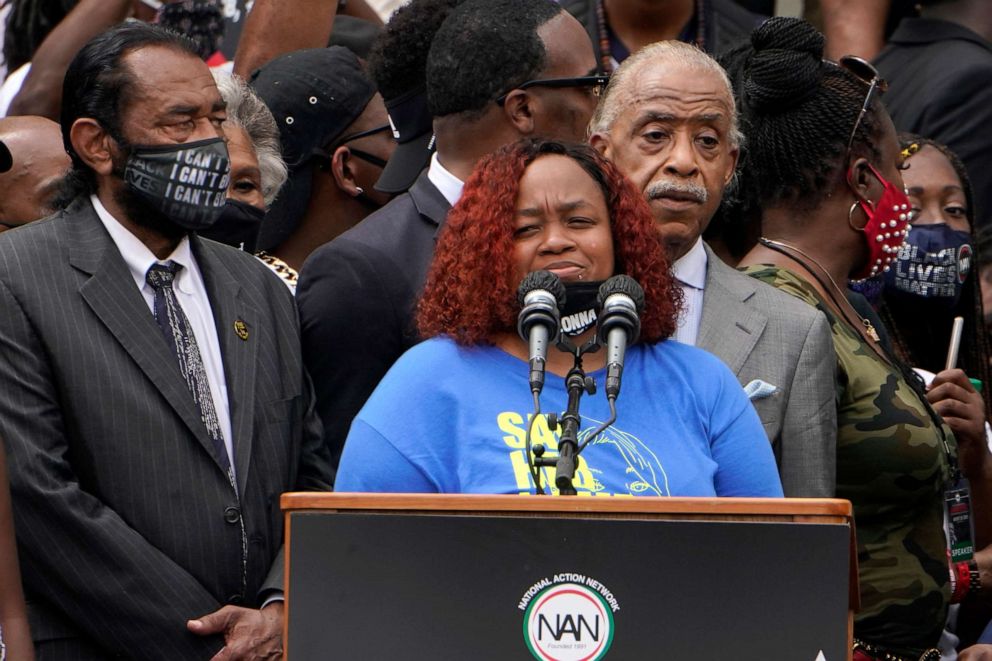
[
  {"x": 826, "y": 162},
  {"x": 853, "y": 27},
  {"x": 933, "y": 280},
  {"x": 268, "y": 29},
  {"x": 335, "y": 139},
  {"x": 36, "y": 88},
  {"x": 37, "y": 163},
  {"x": 15, "y": 635},
  {"x": 257, "y": 168},
  {"x": 938, "y": 67},
  {"x": 934, "y": 277},
  {"x": 397, "y": 65},
  {"x": 983, "y": 241},
  {"x": 155, "y": 402},
  {"x": 277, "y": 27},
  {"x": 497, "y": 70},
  {"x": 621, "y": 27},
  {"x": 684, "y": 425},
  {"x": 668, "y": 121},
  {"x": 25, "y": 24}
]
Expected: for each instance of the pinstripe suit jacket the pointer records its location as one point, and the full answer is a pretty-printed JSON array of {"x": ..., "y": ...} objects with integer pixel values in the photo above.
[
  {"x": 126, "y": 522},
  {"x": 760, "y": 333}
]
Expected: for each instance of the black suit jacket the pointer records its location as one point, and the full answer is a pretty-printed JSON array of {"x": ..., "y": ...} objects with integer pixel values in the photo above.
[
  {"x": 126, "y": 522},
  {"x": 940, "y": 87},
  {"x": 357, "y": 297}
]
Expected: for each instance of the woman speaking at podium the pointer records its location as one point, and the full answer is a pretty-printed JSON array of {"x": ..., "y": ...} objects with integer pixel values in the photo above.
[{"x": 452, "y": 414}]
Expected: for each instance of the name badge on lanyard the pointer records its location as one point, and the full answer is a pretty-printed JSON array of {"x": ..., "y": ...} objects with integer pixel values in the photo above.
[{"x": 957, "y": 510}]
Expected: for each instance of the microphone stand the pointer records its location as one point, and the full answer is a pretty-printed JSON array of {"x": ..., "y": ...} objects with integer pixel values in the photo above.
[{"x": 576, "y": 383}]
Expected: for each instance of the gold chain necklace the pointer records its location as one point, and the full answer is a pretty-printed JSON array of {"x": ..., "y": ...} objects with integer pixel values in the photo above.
[{"x": 782, "y": 247}]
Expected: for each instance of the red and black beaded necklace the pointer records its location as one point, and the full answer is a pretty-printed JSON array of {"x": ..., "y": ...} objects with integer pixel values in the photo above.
[{"x": 606, "y": 56}]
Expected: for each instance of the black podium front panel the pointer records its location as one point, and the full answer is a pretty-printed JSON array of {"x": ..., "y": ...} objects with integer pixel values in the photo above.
[{"x": 372, "y": 587}]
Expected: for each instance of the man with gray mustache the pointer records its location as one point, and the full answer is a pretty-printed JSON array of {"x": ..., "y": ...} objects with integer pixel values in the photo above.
[{"x": 668, "y": 121}]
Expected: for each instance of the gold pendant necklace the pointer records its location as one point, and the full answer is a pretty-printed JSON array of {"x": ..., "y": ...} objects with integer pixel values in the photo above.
[{"x": 782, "y": 247}]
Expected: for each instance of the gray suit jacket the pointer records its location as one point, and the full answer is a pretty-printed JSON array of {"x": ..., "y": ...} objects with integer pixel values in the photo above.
[
  {"x": 761, "y": 333},
  {"x": 126, "y": 523}
]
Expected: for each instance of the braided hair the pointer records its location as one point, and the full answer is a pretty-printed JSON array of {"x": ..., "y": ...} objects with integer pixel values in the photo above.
[
  {"x": 798, "y": 111},
  {"x": 28, "y": 24},
  {"x": 922, "y": 339}
]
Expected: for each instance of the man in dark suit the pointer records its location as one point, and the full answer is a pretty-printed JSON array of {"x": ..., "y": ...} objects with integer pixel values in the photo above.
[
  {"x": 485, "y": 74},
  {"x": 154, "y": 400},
  {"x": 939, "y": 67}
]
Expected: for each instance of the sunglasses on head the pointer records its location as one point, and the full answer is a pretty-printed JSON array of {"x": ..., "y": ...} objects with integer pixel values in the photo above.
[
  {"x": 868, "y": 74},
  {"x": 596, "y": 81}
]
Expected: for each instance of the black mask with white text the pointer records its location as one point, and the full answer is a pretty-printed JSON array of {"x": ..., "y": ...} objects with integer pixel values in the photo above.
[
  {"x": 581, "y": 307},
  {"x": 186, "y": 182}
]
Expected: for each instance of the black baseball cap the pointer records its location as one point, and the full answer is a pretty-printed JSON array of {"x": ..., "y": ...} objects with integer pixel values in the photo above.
[
  {"x": 6, "y": 160},
  {"x": 314, "y": 95},
  {"x": 413, "y": 129}
]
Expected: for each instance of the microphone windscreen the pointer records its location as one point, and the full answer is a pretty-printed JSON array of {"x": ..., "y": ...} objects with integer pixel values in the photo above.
[
  {"x": 545, "y": 280},
  {"x": 622, "y": 284}
]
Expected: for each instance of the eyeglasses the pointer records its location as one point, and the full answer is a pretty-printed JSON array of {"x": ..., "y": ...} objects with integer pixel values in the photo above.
[
  {"x": 868, "y": 74},
  {"x": 597, "y": 82},
  {"x": 325, "y": 155}
]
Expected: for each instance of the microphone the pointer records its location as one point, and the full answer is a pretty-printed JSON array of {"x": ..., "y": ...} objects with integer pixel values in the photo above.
[
  {"x": 542, "y": 296},
  {"x": 621, "y": 300}
]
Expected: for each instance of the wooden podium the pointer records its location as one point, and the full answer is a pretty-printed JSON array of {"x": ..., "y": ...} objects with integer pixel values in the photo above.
[{"x": 397, "y": 576}]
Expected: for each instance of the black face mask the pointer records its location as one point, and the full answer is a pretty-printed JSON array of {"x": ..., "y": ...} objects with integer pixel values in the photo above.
[
  {"x": 237, "y": 226},
  {"x": 186, "y": 182},
  {"x": 932, "y": 267},
  {"x": 581, "y": 305}
]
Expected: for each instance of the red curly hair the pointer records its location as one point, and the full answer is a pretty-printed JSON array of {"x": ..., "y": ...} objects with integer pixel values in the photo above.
[{"x": 470, "y": 295}]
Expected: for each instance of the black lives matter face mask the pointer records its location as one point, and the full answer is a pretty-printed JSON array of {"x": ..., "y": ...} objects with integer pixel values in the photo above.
[{"x": 186, "y": 182}]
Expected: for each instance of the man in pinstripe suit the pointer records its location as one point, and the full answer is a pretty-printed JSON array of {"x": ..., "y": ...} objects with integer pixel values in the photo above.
[{"x": 146, "y": 491}]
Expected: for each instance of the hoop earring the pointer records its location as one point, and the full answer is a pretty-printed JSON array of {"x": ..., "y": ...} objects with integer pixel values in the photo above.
[
  {"x": 359, "y": 191},
  {"x": 850, "y": 213}
]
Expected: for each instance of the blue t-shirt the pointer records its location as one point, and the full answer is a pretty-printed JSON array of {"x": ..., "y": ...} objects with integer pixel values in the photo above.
[{"x": 453, "y": 419}]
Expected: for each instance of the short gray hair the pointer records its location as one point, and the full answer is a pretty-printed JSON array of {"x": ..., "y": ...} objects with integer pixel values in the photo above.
[
  {"x": 659, "y": 54},
  {"x": 247, "y": 111}
]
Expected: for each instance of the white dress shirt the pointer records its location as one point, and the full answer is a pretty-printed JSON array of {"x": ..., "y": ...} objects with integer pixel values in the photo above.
[
  {"x": 690, "y": 271},
  {"x": 449, "y": 185},
  {"x": 191, "y": 292}
]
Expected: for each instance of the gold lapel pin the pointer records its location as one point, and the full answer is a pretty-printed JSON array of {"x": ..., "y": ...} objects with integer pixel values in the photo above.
[{"x": 241, "y": 328}]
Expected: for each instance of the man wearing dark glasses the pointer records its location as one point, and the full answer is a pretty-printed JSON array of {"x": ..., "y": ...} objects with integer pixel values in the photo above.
[
  {"x": 497, "y": 71},
  {"x": 32, "y": 163},
  {"x": 336, "y": 140}
]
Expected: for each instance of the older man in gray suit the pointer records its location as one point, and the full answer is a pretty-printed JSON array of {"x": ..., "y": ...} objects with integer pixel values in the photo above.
[
  {"x": 669, "y": 122},
  {"x": 154, "y": 400}
]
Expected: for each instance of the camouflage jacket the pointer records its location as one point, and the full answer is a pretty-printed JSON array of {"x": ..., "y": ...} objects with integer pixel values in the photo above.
[{"x": 894, "y": 458}]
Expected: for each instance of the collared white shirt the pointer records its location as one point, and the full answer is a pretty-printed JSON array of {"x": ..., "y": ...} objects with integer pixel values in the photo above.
[
  {"x": 690, "y": 271},
  {"x": 449, "y": 185},
  {"x": 191, "y": 292}
]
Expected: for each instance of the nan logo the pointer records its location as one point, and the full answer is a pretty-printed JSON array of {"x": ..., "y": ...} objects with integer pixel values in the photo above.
[{"x": 568, "y": 621}]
